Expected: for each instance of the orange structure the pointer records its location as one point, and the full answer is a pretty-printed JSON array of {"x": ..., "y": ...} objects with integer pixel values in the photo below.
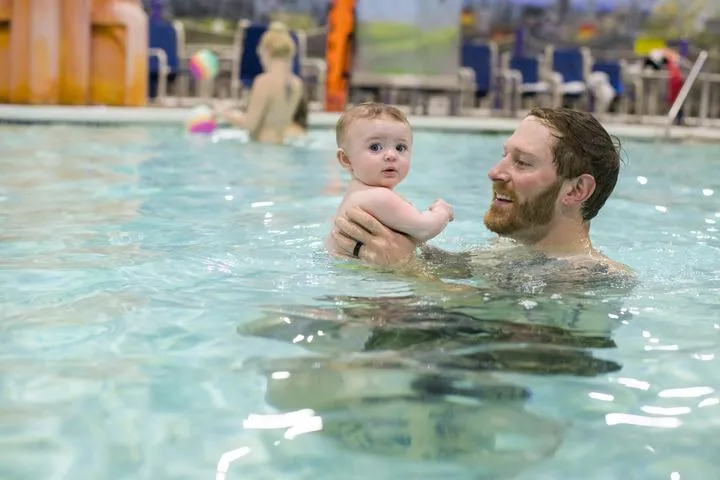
[
  {"x": 73, "y": 52},
  {"x": 339, "y": 53}
]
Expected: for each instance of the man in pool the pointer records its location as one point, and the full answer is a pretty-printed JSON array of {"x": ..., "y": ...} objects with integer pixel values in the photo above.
[{"x": 557, "y": 170}]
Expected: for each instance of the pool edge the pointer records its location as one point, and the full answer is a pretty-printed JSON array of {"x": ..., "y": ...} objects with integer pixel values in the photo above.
[{"x": 98, "y": 115}]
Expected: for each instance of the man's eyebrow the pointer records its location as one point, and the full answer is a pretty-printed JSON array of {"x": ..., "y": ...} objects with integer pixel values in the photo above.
[{"x": 519, "y": 150}]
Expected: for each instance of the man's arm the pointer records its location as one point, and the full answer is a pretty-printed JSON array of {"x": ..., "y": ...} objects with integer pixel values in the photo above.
[
  {"x": 386, "y": 248},
  {"x": 446, "y": 264},
  {"x": 396, "y": 214}
]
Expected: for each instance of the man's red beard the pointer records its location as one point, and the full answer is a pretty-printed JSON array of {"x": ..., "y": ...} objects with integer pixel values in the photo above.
[{"x": 511, "y": 217}]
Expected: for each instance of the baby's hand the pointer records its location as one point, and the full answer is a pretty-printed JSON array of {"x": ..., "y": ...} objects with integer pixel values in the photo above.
[{"x": 444, "y": 207}]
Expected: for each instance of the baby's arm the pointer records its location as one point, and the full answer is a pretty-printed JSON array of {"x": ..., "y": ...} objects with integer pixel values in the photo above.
[{"x": 394, "y": 212}]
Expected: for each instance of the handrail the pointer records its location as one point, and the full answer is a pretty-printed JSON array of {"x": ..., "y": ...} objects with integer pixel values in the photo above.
[{"x": 685, "y": 90}]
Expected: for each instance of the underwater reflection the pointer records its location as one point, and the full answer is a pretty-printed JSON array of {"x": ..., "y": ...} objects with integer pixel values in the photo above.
[
  {"x": 500, "y": 336},
  {"x": 393, "y": 407},
  {"x": 416, "y": 379}
]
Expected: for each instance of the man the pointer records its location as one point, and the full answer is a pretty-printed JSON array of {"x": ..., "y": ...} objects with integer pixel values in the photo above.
[{"x": 558, "y": 169}]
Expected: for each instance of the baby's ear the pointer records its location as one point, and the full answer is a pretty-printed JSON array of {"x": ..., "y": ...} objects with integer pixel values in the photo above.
[{"x": 343, "y": 159}]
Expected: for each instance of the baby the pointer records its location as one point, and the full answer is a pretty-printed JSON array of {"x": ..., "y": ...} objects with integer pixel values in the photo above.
[{"x": 374, "y": 144}]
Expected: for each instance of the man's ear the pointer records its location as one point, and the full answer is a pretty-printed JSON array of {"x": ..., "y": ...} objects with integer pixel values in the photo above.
[
  {"x": 580, "y": 189},
  {"x": 343, "y": 159}
]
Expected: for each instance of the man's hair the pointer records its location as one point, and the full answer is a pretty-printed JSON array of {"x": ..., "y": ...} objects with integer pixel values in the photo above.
[
  {"x": 368, "y": 111},
  {"x": 583, "y": 146}
]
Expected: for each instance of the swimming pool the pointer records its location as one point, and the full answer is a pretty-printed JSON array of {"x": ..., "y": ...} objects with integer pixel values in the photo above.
[{"x": 167, "y": 312}]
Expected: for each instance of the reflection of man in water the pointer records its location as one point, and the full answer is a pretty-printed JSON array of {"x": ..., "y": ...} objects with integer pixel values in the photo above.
[
  {"x": 387, "y": 409},
  {"x": 413, "y": 381}
]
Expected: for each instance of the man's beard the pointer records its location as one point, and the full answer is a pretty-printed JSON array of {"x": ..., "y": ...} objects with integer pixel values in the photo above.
[{"x": 514, "y": 217}]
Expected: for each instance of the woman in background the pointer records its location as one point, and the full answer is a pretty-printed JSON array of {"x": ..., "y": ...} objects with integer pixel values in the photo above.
[
  {"x": 275, "y": 95},
  {"x": 299, "y": 125}
]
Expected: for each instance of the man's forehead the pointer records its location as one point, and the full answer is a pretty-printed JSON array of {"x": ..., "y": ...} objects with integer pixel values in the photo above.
[{"x": 532, "y": 137}]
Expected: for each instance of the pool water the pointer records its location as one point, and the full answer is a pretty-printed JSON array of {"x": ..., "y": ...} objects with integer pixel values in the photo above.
[{"x": 168, "y": 312}]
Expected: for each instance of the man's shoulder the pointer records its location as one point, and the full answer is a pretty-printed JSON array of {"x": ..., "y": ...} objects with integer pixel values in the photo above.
[
  {"x": 584, "y": 271},
  {"x": 600, "y": 262},
  {"x": 599, "y": 267}
]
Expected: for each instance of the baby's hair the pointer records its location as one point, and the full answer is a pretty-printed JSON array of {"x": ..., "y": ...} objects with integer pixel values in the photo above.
[{"x": 368, "y": 111}]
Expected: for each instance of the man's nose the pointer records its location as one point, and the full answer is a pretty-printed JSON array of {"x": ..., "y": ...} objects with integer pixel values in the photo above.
[{"x": 498, "y": 173}]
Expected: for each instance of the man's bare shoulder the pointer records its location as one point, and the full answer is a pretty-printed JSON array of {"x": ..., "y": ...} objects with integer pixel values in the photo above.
[
  {"x": 521, "y": 268},
  {"x": 600, "y": 262},
  {"x": 599, "y": 267}
]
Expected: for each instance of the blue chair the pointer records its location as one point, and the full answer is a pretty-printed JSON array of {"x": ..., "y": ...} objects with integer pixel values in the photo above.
[
  {"x": 529, "y": 68},
  {"x": 614, "y": 72},
  {"x": 164, "y": 55},
  {"x": 482, "y": 59},
  {"x": 613, "y": 69},
  {"x": 247, "y": 66},
  {"x": 527, "y": 73},
  {"x": 570, "y": 64}
]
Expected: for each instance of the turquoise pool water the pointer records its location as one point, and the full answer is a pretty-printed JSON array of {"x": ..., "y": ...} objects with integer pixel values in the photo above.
[{"x": 167, "y": 312}]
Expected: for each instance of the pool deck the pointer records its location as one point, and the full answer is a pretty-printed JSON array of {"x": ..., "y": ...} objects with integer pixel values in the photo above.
[{"x": 651, "y": 128}]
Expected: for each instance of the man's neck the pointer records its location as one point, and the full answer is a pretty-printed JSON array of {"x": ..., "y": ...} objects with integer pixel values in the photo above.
[{"x": 567, "y": 239}]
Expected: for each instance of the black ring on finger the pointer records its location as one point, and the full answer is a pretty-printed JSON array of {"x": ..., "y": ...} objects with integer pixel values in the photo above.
[{"x": 356, "y": 250}]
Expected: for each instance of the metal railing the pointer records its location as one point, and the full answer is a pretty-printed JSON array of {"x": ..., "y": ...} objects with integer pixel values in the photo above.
[{"x": 685, "y": 90}]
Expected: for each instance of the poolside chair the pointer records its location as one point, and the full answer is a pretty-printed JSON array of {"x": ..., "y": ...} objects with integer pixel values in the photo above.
[
  {"x": 482, "y": 59},
  {"x": 614, "y": 76},
  {"x": 246, "y": 63},
  {"x": 529, "y": 81},
  {"x": 165, "y": 56},
  {"x": 571, "y": 68},
  {"x": 493, "y": 85}
]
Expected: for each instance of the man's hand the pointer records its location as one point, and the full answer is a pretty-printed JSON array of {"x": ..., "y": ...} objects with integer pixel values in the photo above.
[{"x": 380, "y": 245}]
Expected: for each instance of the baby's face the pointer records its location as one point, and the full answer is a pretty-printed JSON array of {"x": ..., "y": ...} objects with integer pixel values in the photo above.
[{"x": 378, "y": 151}]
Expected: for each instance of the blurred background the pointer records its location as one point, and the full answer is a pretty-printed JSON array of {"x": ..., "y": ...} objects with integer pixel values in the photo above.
[
  {"x": 610, "y": 27},
  {"x": 448, "y": 57}
]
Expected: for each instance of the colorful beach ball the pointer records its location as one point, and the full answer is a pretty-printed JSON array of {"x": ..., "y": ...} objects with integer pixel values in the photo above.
[
  {"x": 201, "y": 120},
  {"x": 204, "y": 65}
]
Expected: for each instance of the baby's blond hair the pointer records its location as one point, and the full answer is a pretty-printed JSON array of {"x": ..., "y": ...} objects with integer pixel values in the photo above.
[
  {"x": 277, "y": 42},
  {"x": 368, "y": 111}
]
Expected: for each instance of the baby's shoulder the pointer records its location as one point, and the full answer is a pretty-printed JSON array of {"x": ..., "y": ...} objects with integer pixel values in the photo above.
[
  {"x": 370, "y": 195},
  {"x": 373, "y": 192}
]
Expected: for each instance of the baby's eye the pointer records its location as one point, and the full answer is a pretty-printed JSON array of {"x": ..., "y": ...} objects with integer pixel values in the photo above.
[
  {"x": 375, "y": 147},
  {"x": 401, "y": 148}
]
